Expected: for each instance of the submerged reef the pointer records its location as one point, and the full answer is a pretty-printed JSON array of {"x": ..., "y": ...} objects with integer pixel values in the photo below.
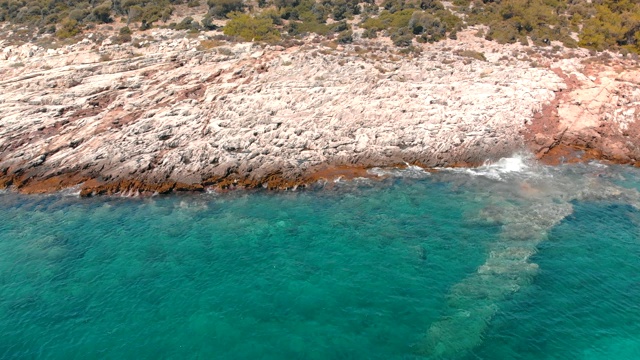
[{"x": 528, "y": 200}]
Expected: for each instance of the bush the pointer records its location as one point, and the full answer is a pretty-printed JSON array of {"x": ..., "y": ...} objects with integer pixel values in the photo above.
[
  {"x": 402, "y": 37},
  {"x": 394, "y": 6},
  {"x": 68, "y": 28},
  {"x": 187, "y": 24},
  {"x": 513, "y": 21},
  {"x": 370, "y": 9},
  {"x": 433, "y": 5},
  {"x": 299, "y": 28},
  {"x": 124, "y": 36},
  {"x": 345, "y": 37},
  {"x": 340, "y": 26},
  {"x": 615, "y": 24},
  {"x": 207, "y": 23},
  {"x": 273, "y": 15},
  {"x": 388, "y": 21},
  {"x": 41, "y": 13},
  {"x": 250, "y": 28},
  {"x": 370, "y": 34},
  {"x": 125, "y": 31},
  {"x": 102, "y": 12},
  {"x": 429, "y": 28},
  {"x": 78, "y": 14},
  {"x": 222, "y": 8}
]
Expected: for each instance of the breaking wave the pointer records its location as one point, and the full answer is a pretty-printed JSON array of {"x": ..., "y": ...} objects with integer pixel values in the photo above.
[
  {"x": 411, "y": 171},
  {"x": 517, "y": 165}
]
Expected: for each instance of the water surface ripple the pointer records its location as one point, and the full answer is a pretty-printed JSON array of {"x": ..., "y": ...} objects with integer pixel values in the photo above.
[{"x": 512, "y": 260}]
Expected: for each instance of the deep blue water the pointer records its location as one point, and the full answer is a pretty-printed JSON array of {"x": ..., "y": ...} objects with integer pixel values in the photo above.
[{"x": 514, "y": 261}]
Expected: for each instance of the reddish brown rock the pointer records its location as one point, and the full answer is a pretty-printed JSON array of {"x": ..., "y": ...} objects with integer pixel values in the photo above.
[{"x": 594, "y": 118}]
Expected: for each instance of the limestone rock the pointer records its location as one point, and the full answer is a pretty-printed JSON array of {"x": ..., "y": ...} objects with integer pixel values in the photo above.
[{"x": 162, "y": 115}]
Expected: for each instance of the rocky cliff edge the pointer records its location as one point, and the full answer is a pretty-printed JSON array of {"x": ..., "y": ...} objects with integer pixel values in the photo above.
[{"x": 181, "y": 113}]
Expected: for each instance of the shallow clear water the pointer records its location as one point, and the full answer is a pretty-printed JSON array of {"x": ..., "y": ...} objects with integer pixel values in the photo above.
[{"x": 512, "y": 261}]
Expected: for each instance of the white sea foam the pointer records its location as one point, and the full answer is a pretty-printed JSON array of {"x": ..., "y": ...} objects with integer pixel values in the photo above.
[
  {"x": 73, "y": 191},
  {"x": 516, "y": 165},
  {"x": 211, "y": 190},
  {"x": 193, "y": 204},
  {"x": 598, "y": 164},
  {"x": 411, "y": 171}
]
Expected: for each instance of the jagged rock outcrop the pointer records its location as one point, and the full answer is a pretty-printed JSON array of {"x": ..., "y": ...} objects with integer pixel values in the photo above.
[{"x": 597, "y": 114}]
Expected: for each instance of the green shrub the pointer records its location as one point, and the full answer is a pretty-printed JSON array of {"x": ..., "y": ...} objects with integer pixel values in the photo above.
[
  {"x": 402, "y": 37},
  {"x": 250, "y": 28},
  {"x": 429, "y": 28},
  {"x": 68, "y": 28},
  {"x": 222, "y": 8},
  {"x": 187, "y": 24},
  {"x": 513, "y": 21},
  {"x": 432, "y": 5},
  {"x": 345, "y": 37},
  {"x": 78, "y": 14},
  {"x": 207, "y": 23},
  {"x": 615, "y": 24},
  {"x": 124, "y": 36},
  {"x": 102, "y": 12},
  {"x": 388, "y": 20},
  {"x": 340, "y": 26},
  {"x": 370, "y": 9},
  {"x": 273, "y": 15},
  {"x": 299, "y": 28},
  {"x": 370, "y": 34},
  {"x": 394, "y": 6}
]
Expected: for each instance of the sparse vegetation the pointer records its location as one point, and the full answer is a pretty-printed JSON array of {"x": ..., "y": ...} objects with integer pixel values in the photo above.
[
  {"x": 250, "y": 28},
  {"x": 426, "y": 21},
  {"x": 594, "y": 24},
  {"x": 69, "y": 18},
  {"x": 208, "y": 44},
  {"x": 222, "y": 8}
]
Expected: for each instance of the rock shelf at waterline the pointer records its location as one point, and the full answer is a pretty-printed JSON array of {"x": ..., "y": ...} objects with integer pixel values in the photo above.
[{"x": 265, "y": 116}]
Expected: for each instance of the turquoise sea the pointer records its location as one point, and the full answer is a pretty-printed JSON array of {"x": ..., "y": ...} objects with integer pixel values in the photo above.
[{"x": 512, "y": 260}]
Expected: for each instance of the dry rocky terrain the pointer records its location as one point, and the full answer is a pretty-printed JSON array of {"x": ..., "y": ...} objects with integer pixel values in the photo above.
[{"x": 183, "y": 113}]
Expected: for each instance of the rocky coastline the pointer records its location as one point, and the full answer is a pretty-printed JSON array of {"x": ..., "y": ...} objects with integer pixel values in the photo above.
[{"x": 181, "y": 113}]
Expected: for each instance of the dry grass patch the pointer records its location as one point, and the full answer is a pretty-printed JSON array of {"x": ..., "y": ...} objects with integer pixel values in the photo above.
[{"x": 471, "y": 54}]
